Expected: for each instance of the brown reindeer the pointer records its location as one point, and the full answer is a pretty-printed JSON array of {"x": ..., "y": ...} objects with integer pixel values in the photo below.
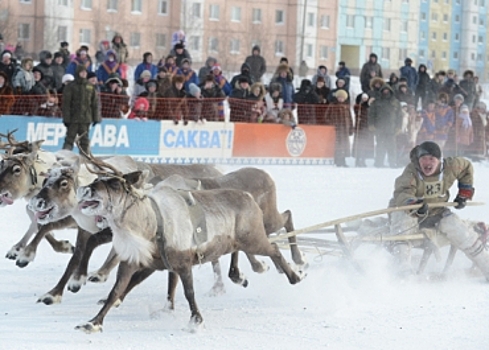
[{"x": 158, "y": 231}]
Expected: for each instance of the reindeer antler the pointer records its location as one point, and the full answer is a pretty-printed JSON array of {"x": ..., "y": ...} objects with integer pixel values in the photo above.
[
  {"x": 12, "y": 143},
  {"x": 99, "y": 163}
]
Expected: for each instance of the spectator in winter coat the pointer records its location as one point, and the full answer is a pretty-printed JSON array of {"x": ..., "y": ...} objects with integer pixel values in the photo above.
[
  {"x": 393, "y": 81},
  {"x": 164, "y": 81},
  {"x": 39, "y": 88},
  {"x": 468, "y": 85},
  {"x": 284, "y": 78},
  {"x": 209, "y": 88},
  {"x": 363, "y": 145},
  {"x": 109, "y": 66},
  {"x": 24, "y": 78},
  {"x": 148, "y": 65},
  {"x": 435, "y": 86},
  {"x": 322, "y": 71},
  {"x": 438, "y": 129},
  {"x": 463, "y": 130},
  {"x": 115, "y": 101},
  {"x": 385, "y": 119},
  {"x": 189, "y": 74},
  {"x": 220, "y": 80},
  {"x": 7, "y": 64},
  {"x": 243, "y": 89},
  {"x": 374, "y": 92},
  {"x": 140, "y": 109},
  {"x": 478, "y": 149},
  {"x": 340, "y": 85},
  {"x": 343, "y": 73},
  {"x": 274, "y": 102},
  {"x": 428, "y": 130},
  {"x": 58, "y": 70},
  {"x": 176, "y": 104},
  {"x": 207, "y": 68},
  {"x": 46, "y": 58},
  {"x": 322, "y": 91},
  {"x": 101, "y": 54},
  {"x": 140, "y": 85},
  {"x": 409, "y": 72},
  {"x": 304, "y": 97},
  {"x": 285, "y": 60},
  {"x": 370, "y": 69},
  {"x": 258, "y": 110},
  {"x": 258, "y": 65},
  {"x": 67, "y": 79},
  {"x": 152, "y": 97},
  {"x": 169, "y": 64},
  {"x": 338, "y": 114},
  {"x": 63, "y": 50},
  {"x": 122, "y": 53},
  {"x": 81, "y": 59},
  {"x": 303, "y": 69},
  {"x": 49, "y": 108},
  {"x": 7, "y": 98},
  {"x": 404, "y": 94},
  {"x": 423, "y": 87},
  {"x": 246, "y": 73},
  {"x": 212, "y": 110},
  {"x": 80, "y": 109},
  {"x": 180, "y": 53}
]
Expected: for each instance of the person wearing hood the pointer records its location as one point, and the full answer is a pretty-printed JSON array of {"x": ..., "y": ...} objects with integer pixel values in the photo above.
[
  {"x": 115, "y": 100},
  {"x": 189, "y": 74},
  {"x": 284, "y": 78},
  {"x": 322, "y": 71},
  {"x": 148, "y": 65},
  {"x": 7, "y": 64},
  {"x": 109, "y": 66},
  {"x": 404, "y": 94},
  {"x": 422, "y": 89},
  {"x": 363, "y": 144},
  {"x": 385, "y": 120},
  {"x": 23, "y": 81},
  {"x": 246, "y": 73},
  {"x": 370, "y": 69},
  {"x": 46, "y": 59},
  {"x": 168, "y": 63},
  {"x": 58, "y": 70},
  {"x": 164, "y": 81},
  {"x": 340, "y": 85},
  {"x": 344, "y": 73},
  {"x": 468, "y": 85},
  {"x": 304, "y": 97},
  {"x": 426, "y": 180},
  {"x": 80, "y": 110},
  {"x": 257, "y": 93},
  {"x": 393, "y": 81},
  {"x": 274, "y": 102},
  {"x": 220, "y": 80},
  {"x": 122, "y": 53},
  {"x": 409, "y": 72},
  {"x": 7, "y": 97},
  {"x": 321, "y": 90},
  {"x": 39, "y": 88},
  {"x": 81, "y": 59},
  {"x": 63, "y": 50},
  {"x": 207, "y": 68},
  {"x": 176, "y": 107},
  {"x": 101, "y": 54},
  {"x": 180, "y": 53},
  {"x": 258, "y": 65}
]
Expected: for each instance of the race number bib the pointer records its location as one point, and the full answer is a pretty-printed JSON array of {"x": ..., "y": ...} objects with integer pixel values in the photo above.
[{"x": 433, "y": 189}]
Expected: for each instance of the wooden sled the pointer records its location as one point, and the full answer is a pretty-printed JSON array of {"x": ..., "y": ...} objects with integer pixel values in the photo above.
[{"x": 345, "y": 245}]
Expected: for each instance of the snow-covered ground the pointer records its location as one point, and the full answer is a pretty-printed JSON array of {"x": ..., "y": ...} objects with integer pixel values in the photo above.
[{"x": 335, "y": 307}]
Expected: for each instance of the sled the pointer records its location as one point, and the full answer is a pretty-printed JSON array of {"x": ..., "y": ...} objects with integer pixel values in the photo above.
[{"x": 345, "y": 244}]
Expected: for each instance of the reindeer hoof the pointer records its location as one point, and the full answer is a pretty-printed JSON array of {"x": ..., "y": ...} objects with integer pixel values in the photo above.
[
  {"x": 24, "y": 258},
  {"x": 65, "y": 247},
  {"x": 74, "y": 285},
  {"x": 96, "y": 277},
  {"x": 49, "y": 299},
  {"x": 301, "y": 261},
  {"x": 13, "y": 253},
  {"x": 300, "y": 275},
  {"x": 261, "y": 267},
  {"x": 196, "y": 323},
  {"x": 89, "y": 327}
]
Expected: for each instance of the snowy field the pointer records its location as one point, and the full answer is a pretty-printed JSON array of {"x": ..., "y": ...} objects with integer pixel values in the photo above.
[{"x": 335, "y": 307}]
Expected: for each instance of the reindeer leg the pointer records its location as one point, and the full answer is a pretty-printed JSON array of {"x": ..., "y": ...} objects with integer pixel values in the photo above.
[
  {"x": 257, "y": 265},
  {"x": 218, "y": 287},
  {"x": 188, "y": 286},
  {"x": 29, "y": 253},
  {"x": 234, "y": 274},
  {"x": 136, "y": 279},
  {"x": 55, "y": 294},
  {"x": 79, "y": 277},
  {"x": 60, "y": 246},
  {"x": 170, "y": 296},
  {"x": 124, "y": 275},
  {"x": 297, "y": 256},
  {"x": 103, "y": 272},
  {"x": 18, "y": 247}
]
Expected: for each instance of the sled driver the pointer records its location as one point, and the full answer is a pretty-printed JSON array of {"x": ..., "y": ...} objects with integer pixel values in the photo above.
[{"x": 427, "y": 179}]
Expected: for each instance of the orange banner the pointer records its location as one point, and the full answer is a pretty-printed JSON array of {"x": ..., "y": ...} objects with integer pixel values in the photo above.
[{"x": 277, "y": 140}]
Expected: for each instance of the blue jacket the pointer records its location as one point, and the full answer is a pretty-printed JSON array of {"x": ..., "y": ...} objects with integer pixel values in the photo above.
[
  {"x": 190, "y": 77},
  {"x": 145, "y": 66},
  {"x": 103, "y": 74},
  {"x": 411, "y": 76},
  {"x": 71, "y": 69}
]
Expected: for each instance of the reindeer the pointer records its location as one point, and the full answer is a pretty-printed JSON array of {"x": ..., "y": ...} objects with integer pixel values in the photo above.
[
  {"x": 157, "y": 231},
  {"x": 261, "y": 186}
]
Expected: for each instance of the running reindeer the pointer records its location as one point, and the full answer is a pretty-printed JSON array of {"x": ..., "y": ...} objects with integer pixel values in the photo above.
[{"x": 157, "y": 231}]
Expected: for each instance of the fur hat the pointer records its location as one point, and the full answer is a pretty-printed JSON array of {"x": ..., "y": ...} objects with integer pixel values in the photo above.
[
  {"x": 141, "y": 103},
  {"x": 67, "y": 78},
  {"x": 177, "y": 78},
  {"x": 341, "y": 93},
  {"x": 375, "y": 81},
  {"x": 145, "y": 74},
  {"x": 193, "y": 89}
]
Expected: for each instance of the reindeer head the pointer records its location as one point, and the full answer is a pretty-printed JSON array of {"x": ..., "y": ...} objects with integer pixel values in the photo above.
[{"x": 57, "y": 198}]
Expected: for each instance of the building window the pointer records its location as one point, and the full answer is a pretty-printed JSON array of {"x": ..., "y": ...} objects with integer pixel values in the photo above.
[
  {"x": 457, "y": 2},
  {"x": 85, "y": 36},
  {"x": 197, "y": 9},
  {"x": 160, "y": 40},
  {"x": 481, "y": 21},
  {"x": 368, "y": 22},
  {"x": 62, "y": 33},
  {"x": 234, "y": 46},
  {"x": 136, "y": 6},
  {"x": 455, "y": 55},
  {"x": 135, "y": 39},
  {"x": 473, "y": 39},
  {"x": 482, "y": 3},
  {"x": 445, "y": 18},
  {"x": 457, "y": 36},
  {"x": 474, "y": 19},
  {"x": 323, "y": 52},
  {"x": 479, "y": 57},
  {"x": 279, "y": 47},
  {"x": 279, "y": 17},
  {"x": 386, "y": 53},
  {"x": 445, "y": 36},
  {"x": 433, "y": 36},
  {"x": 402, "y": 54},
  {"x": 25, "y": 1},
  {"x": 214, "y": 12},
  {"x": 434, "y": 17},
  {"x": 24, "y": 31},
  {"x": 472, "y": 56},
  {"x": 112, "y": 5},
  {"x": 481, "y": 39},
  {"x": 86, "y": 4},
  {"x": 311, "y": 19},
  {"x": 457, "y": 18},
  {"x": 404, "y": 26},
  {"x": 213, "y": 44},
  {"x": 309, "y": 50},
  {"x": 421, "y": 54},
  {"x": 236, "y": 14},
  {"x": 256, "y": 16},
  {"x": 423, "y": 16},
  {"x": 63, "y": 2},
  {"x": 422, "y": 35},
  {"x": 433, "y": 54},
  {"x": 444, "y": 55},
  {"x": 350, "y": 21},
  {"x": 163, "y": 7},
  {"x": 387, "y": 24},
  {"x": 194, "y": 43},
  {"x": 325, "y": 21}
]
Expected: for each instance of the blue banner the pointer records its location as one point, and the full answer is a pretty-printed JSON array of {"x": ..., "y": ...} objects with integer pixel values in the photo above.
[{"x": 112, "y": 136}]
